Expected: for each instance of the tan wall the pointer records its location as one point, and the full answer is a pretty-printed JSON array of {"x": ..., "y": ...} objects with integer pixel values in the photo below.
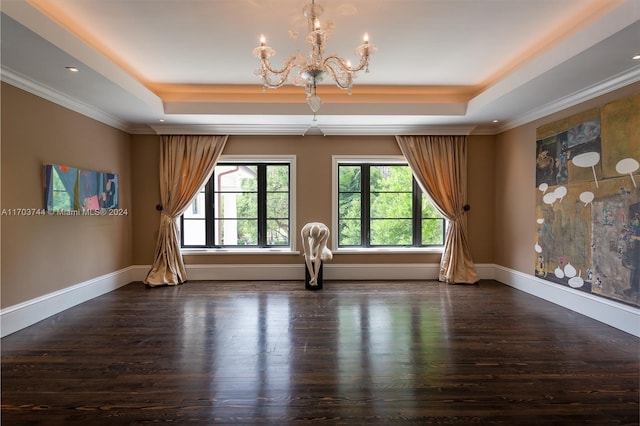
[
  {"x": 515, "y": 201},
  {"x": 145, "y": 158},
  {"x": 313, "y": 201},
  {"x": 480, "y": 196},
  {"x": 514, "y": 226},
  {"x": 43, "y": 254}
]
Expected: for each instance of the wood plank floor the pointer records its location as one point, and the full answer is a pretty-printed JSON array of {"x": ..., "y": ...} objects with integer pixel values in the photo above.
[{"x": 353, "y": 353}]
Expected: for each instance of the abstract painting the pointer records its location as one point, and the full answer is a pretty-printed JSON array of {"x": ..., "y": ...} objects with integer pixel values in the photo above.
[
  {"x": 588, "y": 201},
  {"x": 70, "y": 189}
]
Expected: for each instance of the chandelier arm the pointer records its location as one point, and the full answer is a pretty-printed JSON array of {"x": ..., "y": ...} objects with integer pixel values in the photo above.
[
  {"x": 269, "y": 84},
  {"x": 342, "y": 78},
  {"x": 289, "y": 64},
  {"x": 267, "y": 72},
  {"x": 364, "y": 62}
]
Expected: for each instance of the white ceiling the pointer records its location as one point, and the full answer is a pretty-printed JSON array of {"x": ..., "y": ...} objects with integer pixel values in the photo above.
[{"x": 442, "y": 66}]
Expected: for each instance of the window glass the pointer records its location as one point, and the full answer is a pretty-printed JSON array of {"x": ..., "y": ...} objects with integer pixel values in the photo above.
[
  {"x": 242, "y": 205},
  {"x": 382, "y": 205}
]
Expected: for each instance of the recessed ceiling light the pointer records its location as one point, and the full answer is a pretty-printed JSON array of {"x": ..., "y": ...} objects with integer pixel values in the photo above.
[
  {"x": 636, "y": 57},
  {"x": 72, "y": 69},
  {"x": 162, "y": 120},
  {"x": 495, "y": 121}
]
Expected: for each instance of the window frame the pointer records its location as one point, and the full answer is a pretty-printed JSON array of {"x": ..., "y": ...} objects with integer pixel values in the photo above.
[
  {"x": 289, "y": 160},
  {"x": 338, "y": 160}
]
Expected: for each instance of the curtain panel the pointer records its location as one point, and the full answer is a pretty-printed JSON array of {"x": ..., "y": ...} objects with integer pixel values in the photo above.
[
  {"x": 186, "y": 163},
  {"x": 439, "y": 164}
]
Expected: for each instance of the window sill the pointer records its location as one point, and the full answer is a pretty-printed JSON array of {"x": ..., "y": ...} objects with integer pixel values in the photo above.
[
  {"x": 390, "y": 250},
  {"x": 253, "y": 251},
  {"x": 277, "y": 251}
]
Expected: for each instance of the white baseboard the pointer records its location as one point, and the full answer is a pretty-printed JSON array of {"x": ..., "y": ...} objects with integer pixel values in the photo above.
[
  {"x": 620, "y": 316},
  {"x": 27, "y": 313},
  {"x": 243, "y": 272},
  {"x": 331, "y": 271},
  {"x": 380, "y": 271}
]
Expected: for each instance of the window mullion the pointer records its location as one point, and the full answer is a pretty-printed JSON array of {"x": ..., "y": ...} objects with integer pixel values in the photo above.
[
  {"x": 262, "y": 205},
  {"x": 366, "y": 206},
  {"x": 209, "y": 212},
  {"x": 417, "y": 213}
]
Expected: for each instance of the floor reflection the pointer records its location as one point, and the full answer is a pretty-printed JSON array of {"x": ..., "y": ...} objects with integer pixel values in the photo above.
[
  {"x": 245, "y": 356},
  {"x": 353, "y": 353},
  {"x": 261, "y": 350}
]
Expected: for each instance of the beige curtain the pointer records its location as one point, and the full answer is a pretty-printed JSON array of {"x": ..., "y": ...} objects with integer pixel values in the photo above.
[
  {"x": 439, "y": 164},
  {"x": 186, "y": 163}
]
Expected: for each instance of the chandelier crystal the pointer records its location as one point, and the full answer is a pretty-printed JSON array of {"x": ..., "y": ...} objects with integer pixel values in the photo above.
[{"x": 311, "y": 69}]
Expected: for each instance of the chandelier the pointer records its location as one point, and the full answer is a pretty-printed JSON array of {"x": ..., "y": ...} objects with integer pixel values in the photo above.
[{"x": 311, "y": 69}]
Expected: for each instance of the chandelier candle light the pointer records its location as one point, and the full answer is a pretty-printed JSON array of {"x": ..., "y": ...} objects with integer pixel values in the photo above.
[{"x": 312, "y": 68}]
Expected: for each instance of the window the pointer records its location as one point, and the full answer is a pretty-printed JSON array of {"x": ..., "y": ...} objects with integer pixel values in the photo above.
[
  {"x": 243, "y": 205},
  {"x": 379, "y": 204}
]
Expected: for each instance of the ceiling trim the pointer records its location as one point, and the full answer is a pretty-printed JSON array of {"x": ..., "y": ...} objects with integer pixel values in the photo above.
[
  {"x": 302, "y": 129},
  {"x": 588, "y": 93},
  {"x": 395, "y": 129},
  {"x": 242, "y": 93},
  {"x": 35, "y": 88},
  {"x": 18, "y": 80},
  {"x": 229, "y": 129}
]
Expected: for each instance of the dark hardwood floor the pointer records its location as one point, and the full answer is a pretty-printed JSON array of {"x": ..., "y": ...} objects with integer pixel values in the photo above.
[{"x": 353, "y": 353}]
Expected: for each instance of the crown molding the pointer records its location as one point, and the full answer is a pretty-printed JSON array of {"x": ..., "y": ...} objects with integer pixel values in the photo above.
[
  {"x": 141, "y": 129},
  {"x": 394, "y": 129},
  {"x": 305, "y": 129},
  {"x": 230, "y": 129},
  {"x": 20, "y": 81},
  {"x": 486, "y": 130},
  {"x": 609, "y": 85},
  {"x": 331, "y": 94}
]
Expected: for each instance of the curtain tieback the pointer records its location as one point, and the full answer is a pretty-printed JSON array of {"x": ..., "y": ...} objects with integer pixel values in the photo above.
[{"x": 465, "y": 209}]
